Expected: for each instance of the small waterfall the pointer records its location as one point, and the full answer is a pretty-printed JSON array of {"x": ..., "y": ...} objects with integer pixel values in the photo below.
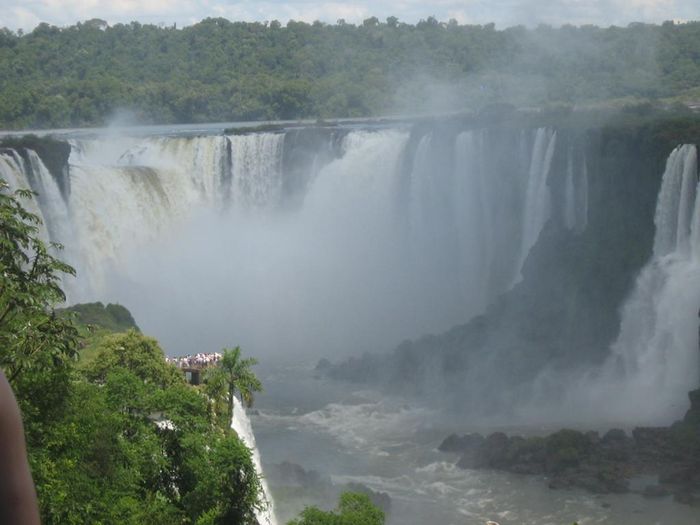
[
  {"x": 130, "y": 194},
  {"x": 51, "y": 202},
  {"x": 582, "y": 200},
  {"x": 241, "y": 424},
  {"x": 570, "y": 195},
  {"x": 474, "y": 220},
  {"x": 654, "y": 361},
  {"x": 48, "y": 204},
  {"x": 675, "y": 204},
  {"x": 256, "y": 169},
  {"x": 575, "y": 195},
  {"x": 537, "y": 194}
]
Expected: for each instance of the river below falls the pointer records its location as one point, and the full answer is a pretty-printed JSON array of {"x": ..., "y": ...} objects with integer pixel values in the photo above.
[{"x": 348, "y": 434}]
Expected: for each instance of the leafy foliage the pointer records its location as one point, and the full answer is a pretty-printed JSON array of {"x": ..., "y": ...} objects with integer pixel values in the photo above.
[
  {"x": 136, "y": 443},
  {"x": 33, "y": 338},
  {"x": 219, "y": 70},
  {"x": 353, "y": 509},
  {"x": 113, "y": 317},
  {"x": 123, "y": 439},
  {"x": 232, "y": 376},
  {"x": 137, "y": 353}
]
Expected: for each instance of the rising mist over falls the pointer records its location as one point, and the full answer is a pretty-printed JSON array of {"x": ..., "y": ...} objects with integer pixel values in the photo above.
[{"x": 518, "y": 246}]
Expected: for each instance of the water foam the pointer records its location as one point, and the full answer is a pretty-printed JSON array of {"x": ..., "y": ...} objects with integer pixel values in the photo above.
[{"x": 241, "y": 424}]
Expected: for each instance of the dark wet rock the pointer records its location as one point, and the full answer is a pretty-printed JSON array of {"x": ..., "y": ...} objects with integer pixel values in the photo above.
[
  {"x": 566, "y": 449},
  {"x": 595, "y": 479},
  {"x": 692, "y": 417},
  {"x": 654, "y": 461},
  {"x": 653, "y": 442},
  {"x": 593, "y": 437},
  {"x": 680, "y": 475},
  {"x": 293, "y": 475},
  {"x": 461, "y": 444},
  {"x": 323, "y": 365},
  {"x": 493, "y": 452},
  {"x": 615, "y": 436},
  {"x": 655, "y": 491},
  {"x": 615, "y": 445},
  {"x": 686, "y": 497}
]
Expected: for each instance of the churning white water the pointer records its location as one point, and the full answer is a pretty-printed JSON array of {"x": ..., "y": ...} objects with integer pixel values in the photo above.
[{"x": 241, "y": 424}]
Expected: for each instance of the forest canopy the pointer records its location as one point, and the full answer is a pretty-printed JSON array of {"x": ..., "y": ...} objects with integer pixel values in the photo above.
[{"x": 91, "y": 73}]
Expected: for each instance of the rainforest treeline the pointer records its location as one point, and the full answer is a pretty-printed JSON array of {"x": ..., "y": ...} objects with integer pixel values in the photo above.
[{"x": 217, "y": 70}]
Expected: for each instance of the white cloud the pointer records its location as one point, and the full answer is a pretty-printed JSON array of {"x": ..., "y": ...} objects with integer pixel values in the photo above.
[{"x": 26, "y": 14}]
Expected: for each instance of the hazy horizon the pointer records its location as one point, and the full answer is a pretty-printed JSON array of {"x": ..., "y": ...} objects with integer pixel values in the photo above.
[{"x": 26, "y": 15}]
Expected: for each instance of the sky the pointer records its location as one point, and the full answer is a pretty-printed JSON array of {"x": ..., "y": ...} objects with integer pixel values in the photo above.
[{"x": 27, "y": 14}]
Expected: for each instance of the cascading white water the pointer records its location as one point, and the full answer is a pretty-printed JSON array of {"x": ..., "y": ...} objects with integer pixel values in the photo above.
[
  {"x": 14, "y": 172},
  {"x": 437, "y": 244},
  {"x": 657, "y": 349},
  {"x": 537, "y": 195},
  {"x": 655, "y": 360},
  {"x": 48, "y": 204},
  {"x": 241, "y": 424},
  {"x": 475, "y": 220},
  {"x": 256, "y": 169},
  {"x": 189, "y": 233},
  {"x": 125, "y": 199},
  {"x": 575, "y": 195}
]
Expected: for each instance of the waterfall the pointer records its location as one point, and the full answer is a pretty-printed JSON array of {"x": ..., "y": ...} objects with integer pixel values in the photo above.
[
  {"x": 654, "y": 362},
  {"x": 570, "y": 195},
  {"x": 16, "y": 174},
  {"x": 256, "y": 168},
  {"x": 475, "y": 221},
  {"x": 537, "y": 196},
  {"x": 241, "y": 424},
  {"x": 401, "y": 235},
  {"x": 575, "y": 195},
  {"x": 48, "y": 205}
]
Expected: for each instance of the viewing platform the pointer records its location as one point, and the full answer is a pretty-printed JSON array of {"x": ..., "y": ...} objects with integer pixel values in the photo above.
[{"x": 192, "y": 366}]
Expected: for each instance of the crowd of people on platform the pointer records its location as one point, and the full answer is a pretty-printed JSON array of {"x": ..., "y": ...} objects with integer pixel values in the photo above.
[{"x": 199, "y": 360}]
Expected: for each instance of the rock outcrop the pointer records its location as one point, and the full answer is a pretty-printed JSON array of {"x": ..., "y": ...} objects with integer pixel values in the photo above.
[{"x": 607, "y": 464}]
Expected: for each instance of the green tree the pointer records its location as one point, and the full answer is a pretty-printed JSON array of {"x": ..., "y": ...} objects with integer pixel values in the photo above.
[
  {"x": 32, "y": 336},
  {"x": 235, "y": 373},
  {"x": 123, "y": 439},
  {"x": 136, "y": 352},
  {"x": 353, "y": 509}
]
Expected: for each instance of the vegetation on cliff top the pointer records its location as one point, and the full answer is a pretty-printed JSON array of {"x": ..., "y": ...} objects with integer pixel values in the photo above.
[
  {"x": 219, "y": 70},
  {"x": 353, "y": 509}
]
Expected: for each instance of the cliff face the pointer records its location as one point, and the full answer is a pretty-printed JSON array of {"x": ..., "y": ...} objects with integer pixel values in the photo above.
[
  {"x": 565, "y": 311},
  {"x": 536, "y": 224}
]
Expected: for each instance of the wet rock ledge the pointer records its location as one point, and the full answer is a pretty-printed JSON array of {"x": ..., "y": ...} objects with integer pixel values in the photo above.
[{"x": 668, "y": 458}]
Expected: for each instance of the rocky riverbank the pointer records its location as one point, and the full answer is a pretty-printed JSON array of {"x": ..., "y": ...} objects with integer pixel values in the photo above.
[{"x": 654, "y": 461}]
